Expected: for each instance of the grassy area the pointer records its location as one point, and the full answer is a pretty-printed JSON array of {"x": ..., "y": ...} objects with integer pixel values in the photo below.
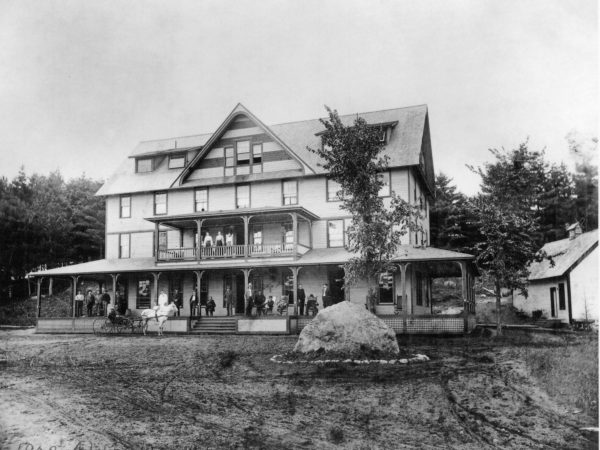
[
  {"x": 23, "y": 312},
  {"x": 569, "y": 373}
]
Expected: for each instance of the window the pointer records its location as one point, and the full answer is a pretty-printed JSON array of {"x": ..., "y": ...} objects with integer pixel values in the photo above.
[
  {"x": 144, "y": 165},
  {"x": 333, "y": 191},
  {"x": 124, "y": 245},
  {"x": 335, "y": 233},
  {"x": 256, "y": 158},
  {"x": 419, "y": 288},
  {"x": 290, "y": 192},
  {"x": 143, "y": 294},
  {"x": 125, "y": 207},
  {"x": 561, "y": 297},
  {"x": 162, "y": 240},
  {"x": 385, "y": 190},
  {"x": 242, "y": 196},
  {"x": 229, "y": 161},
  {"x": 288, "y": 236},
  {"x": 243, "y": 157},
  {"x": 176, "y": 161},
  {"x": 257, "y": 235},
  {"x": 383, "y": 135},
  {"x": 160, "y": 203},
  {"x": 201, "y": 200},
  {"x": 386, "y": 287}
]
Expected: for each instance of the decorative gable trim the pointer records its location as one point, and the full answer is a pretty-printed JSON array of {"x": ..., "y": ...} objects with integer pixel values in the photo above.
[{"x": 216, "y": 136}]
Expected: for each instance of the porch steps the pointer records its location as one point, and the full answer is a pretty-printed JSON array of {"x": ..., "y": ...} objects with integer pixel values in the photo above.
[{"x": 215, "y": 325}]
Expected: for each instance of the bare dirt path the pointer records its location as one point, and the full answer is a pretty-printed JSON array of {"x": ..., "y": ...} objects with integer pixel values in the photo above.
[{"x": 224, "y": 392}]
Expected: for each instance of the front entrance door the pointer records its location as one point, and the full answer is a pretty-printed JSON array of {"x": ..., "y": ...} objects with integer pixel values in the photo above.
[
  {"x": 236, "y": 283},
  {"x": 335, "y": 279}
]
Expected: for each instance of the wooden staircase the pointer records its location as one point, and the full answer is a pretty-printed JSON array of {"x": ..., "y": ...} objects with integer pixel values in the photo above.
[{"x": 215, "y": 325}]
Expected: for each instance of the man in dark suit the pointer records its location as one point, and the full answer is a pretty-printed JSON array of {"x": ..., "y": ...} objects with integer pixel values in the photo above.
[
  {"x": 301, "y": 296},
  {"x": 326, "y": 293}
]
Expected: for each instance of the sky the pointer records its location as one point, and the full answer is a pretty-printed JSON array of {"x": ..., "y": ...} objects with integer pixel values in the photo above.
[{"x": 81, "y": 83}]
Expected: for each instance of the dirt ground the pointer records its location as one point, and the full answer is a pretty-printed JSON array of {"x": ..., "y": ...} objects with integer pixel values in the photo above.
[{"x": 113, "y": 392}]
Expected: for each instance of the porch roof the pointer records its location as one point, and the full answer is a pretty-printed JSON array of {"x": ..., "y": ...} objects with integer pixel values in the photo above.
[
  {"x": 235, "y": 213},
  {"x": 315, "y": 257}
]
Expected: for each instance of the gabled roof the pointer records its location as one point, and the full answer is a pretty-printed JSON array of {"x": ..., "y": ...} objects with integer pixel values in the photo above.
[
  {"x": 403, "y": 148},
  {"x": 566, "y": 254}
]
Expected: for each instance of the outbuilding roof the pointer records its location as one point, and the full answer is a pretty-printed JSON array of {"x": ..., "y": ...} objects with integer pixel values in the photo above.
[
  {"x": 404, "y": 148},
  {"x": 566, "y": 254}
]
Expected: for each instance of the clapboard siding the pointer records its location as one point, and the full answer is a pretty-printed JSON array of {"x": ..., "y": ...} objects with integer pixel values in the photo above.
[{"x": 142, "y": 244}]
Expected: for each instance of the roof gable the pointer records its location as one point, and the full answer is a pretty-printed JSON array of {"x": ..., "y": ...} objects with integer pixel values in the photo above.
[
  {"x": 565, "y": 253},
  {"x": 240, "y": 123}
]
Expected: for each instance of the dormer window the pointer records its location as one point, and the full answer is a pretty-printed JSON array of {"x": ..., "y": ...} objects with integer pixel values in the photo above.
[
  {"x": 383, "y": 135},
  {"x": 144, "y": 165},
  {"x": 177, "y": 161}
]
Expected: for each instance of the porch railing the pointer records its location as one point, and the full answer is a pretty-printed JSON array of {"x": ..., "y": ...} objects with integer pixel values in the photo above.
[{"x": 231, "y": 251}]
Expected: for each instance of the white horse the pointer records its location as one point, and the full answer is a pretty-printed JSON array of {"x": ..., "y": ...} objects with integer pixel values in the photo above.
[{"x": 160, "y": 315}]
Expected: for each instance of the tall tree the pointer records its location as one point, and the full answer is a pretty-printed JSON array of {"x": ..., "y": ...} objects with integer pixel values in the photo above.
[
  {"x": 352, "y": 157},
  {"x": 504, "y": 247},
  {"x": 449, "y": 216},
  {"x": 584, "y": 150}
]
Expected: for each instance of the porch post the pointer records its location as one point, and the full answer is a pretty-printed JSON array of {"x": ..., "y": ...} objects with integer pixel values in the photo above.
[
  {"x": 74, "y": 279},
  {"x": 39, "y": 296},
  {"x": 115, "y": 278},
  {"x": 156, "y": 276},
  {"x": 156, "y": 240},
  {"x": 199, "y": 246},
  {"x": 295, "y": 271},
  {"x": 246, "y": 219},
  {"x": 50, "y": 286},
  {"x": 403, "y": 267},
  {"x": 310, "y": 237},
  {"x": 295, "y": 231},
  {"x": 463, "y": 272},
  {"x": 198, "y": 274}
]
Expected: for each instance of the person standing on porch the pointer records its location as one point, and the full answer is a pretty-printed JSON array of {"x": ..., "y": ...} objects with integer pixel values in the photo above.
[
  {"x": 105, "y": 300},
  {"x": 326, "y": 293},
  {"x": 193, "y": 303},
  {"x": 208, "y": 242},
  {"x": 178, "y": 300},
  {"x": 219, "y": 239},
  {"x": 79, "y": 298},
  {"x": 163, "y": 300},
  {"x": 210, "y": 307},
  {"x": 229, "y": 301},
  {"x": 249, "y": 300},
  {"x": 301, "y": 296}
]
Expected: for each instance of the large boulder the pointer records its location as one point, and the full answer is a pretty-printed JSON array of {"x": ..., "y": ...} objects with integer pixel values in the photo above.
[{"x": 349, "y": 328}]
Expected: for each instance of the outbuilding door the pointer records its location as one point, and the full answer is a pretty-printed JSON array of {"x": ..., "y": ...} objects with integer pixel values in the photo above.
[{"x": 552, "y": 302}]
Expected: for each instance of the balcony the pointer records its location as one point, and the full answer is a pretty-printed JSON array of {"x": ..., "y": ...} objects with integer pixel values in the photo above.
[
  {"x": 258, "y": 233},
  {"x": 231, "y": 251}
]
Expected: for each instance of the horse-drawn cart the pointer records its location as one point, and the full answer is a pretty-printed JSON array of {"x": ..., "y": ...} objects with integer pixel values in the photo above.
[{"x": 115, "y": 324}]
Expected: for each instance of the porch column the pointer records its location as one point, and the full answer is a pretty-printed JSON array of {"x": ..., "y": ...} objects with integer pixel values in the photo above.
[
  {"x": 39, "y": 296},
  {"x": 74, "y": 279},
  {"x": 464, "y": 276},
  {"x": 403, "y": 267},
  {"x": 246, "y": 219},
  {"x": 115, "y": 278},
  {"x": 50, "y": 286},
  {"x": 295, "y": 271},
  {"x": 156, "y": 240},
  {"x": 156, "y": 276},
  {"x": 199, "y": 244},
  {"x": 198, "y": 274},
  {"x": 295, "y": 233},
  {"x": 310, "y": 237}
]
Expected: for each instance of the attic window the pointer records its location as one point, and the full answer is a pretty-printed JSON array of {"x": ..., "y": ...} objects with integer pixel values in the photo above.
[
  {"x": 177, "y": 161},
  {"x": 144, "y": 165},
  {"x": 383, "y": 135}
]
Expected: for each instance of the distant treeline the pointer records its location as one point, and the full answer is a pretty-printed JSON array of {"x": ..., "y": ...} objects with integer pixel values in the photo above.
[
  {"x": 47, "y": 221},
  {"x": 522, "y": 181}
]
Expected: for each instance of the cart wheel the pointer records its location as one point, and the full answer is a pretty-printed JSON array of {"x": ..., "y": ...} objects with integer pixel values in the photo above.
[{"x": 100, "y": 326}]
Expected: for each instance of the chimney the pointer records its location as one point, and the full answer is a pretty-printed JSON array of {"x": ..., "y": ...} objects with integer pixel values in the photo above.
[{"x": 574, "y": 230}]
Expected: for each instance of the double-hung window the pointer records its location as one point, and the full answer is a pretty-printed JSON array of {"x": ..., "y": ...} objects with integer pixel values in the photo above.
[
  {"x": 290, "y": 192},
  {"x": 125, "y": 207},
  {"x": 242, "y": 196},
  {"x": 335, "y": 233},
  {"x": 124, "y": 245},
  {"x": 385, "y": 190},
  {"x": 160, "y": 203},
  {"x": 243, "y": 157},
  {"x": 333, "y": 191},
  {"x": 229, "y": 161},
  {"x": 201, "y": 200},
  {"x": 257, "y": 158}
]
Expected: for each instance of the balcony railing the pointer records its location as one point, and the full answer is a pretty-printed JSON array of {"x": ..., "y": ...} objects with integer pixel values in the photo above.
[{"x": 231, "y": 251}]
